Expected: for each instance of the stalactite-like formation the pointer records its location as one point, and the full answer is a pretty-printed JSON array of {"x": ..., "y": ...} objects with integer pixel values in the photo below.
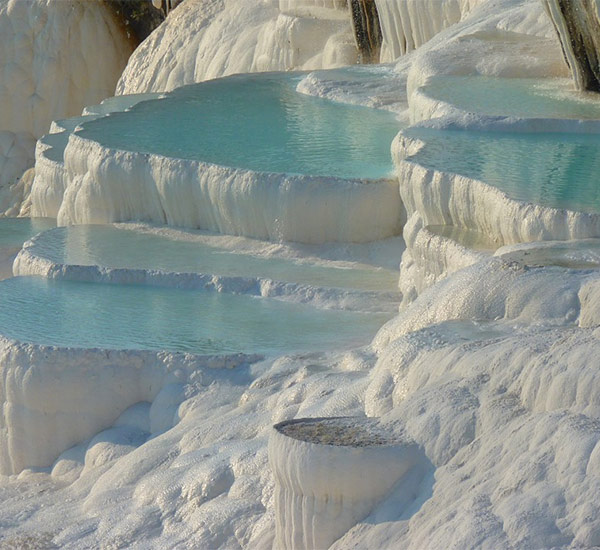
[
  {"x": 367, "y": 29},
  {"x": 578, "y": 26}
]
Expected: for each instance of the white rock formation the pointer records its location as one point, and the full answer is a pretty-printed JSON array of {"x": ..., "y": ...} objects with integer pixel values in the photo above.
[
  {"x": 204, "y": 39},
  {"x": 408, "y": 24},
  {"x": 49, "y": 403},
  {"x": 55, "y": 58},
  {"x": 436, "y": 198},
  {"x": 187, "y": 193},
  {"x": 493, "y": 372}
]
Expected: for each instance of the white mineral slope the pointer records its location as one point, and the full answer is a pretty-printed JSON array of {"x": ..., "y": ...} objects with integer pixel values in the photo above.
[
  {"x": 195, "y": 194},
  {"x": 376, "y": 86},
  {"x": 432, "y": 255},
  {"x": 204, "y": 39},
  {"x": 499, "y": 288},
  {"x": 56, "y": 57},
  {"x": 510, "y": 422}
]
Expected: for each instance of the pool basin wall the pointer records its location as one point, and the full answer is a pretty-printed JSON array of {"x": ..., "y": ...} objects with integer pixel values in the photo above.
[
  {"x": 102, "y": 185},
  {"x": 54, "y": 398},
  {"x": 434, "y": 197}
]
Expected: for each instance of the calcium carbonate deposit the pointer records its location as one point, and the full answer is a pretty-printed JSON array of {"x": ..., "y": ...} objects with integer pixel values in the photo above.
[{"x": 340, "y": 307}]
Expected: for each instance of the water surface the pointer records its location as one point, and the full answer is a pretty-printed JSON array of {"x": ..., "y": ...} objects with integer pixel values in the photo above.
[
  {"x": 257, "y": 122},
  {"x": 117, "y": 247},
  {"x": 559, "y": 170},
  {"x": 88, "y": 315}
]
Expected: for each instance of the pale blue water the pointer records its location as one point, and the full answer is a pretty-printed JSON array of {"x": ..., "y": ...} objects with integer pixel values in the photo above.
[
  {"x": 119, "y": 103},
  {"x": 15, "y": 231},
  {"x": 257, "y": 122},
  {"x": 109, "y": 246},
  {"x": 522, "y": 97},
  {"x": 559, "y": 170},
  {"x": 84, "y": 315}
]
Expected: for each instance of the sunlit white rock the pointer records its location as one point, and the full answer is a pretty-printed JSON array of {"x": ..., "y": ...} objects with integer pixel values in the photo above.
[
  {"x": 204, "y": 39},
  {"x": 56, "y": 57},
  {"x": 408, "y": 24}
]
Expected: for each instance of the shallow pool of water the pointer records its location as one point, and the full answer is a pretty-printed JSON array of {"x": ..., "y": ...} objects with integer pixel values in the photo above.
[
  {"x": 256, "y": 122},
  {"x": 15, "y": 231},
  {"x": 116, "y": 247},
  {"x": 522, "y": 97},
  {"x": 559, "y": 170},
  {"x": 86, "y": 315}
]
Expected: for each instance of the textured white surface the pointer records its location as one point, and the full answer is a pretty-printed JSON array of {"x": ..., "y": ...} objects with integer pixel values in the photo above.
[
  {"x": 56, "y": 57},
  {"x": 408, "y": 24},
  {"x": 204, "y": 39},
  {"x": 493, "y": 372},
  {"x": 321, "y": 490},
  {"x": 54, "y": 398},
  {"x": 194, "y": 194}
]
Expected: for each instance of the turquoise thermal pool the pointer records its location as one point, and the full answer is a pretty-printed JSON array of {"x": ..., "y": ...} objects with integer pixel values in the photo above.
[
  {"x": 278, "y": 130},
  {"x": 15, "y": 231},
  {"x": 521, "y": 97},
  {"x": 88, "y": 315},
  {"x": 129, "y": 248},
  {"x": 558, "y": 170}
]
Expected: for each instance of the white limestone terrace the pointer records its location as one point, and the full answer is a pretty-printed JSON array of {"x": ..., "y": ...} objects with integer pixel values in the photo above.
[
  {"x": 111, "y": 346},
  {"x": 304, "y": 177},
  {"x": 195, "y": 260},
  {"x": 539, "y": 98},
  {"x": 500, "y": 392},
  {"x": 49, "y": 150}
]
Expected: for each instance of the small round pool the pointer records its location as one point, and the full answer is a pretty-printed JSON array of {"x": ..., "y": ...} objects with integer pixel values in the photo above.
[
  {"x": 558, "y": 170},
  {"x": 255, "y": 122},
  {"x": 87, "y": 315}
]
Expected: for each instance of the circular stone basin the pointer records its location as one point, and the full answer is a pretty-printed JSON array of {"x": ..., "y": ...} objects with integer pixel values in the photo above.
[
  {"x": 87, "y": 315},
  {"x": 521, "y": 97},
  {"x": 15, "y": 231},
  {"x": 142, "y": 247},
  {"x": 558, "y": 170},
  {"x": 344, "y": 431},
  {"x": 330, "y": 473},
  {"x": 258, "y": 123}
]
